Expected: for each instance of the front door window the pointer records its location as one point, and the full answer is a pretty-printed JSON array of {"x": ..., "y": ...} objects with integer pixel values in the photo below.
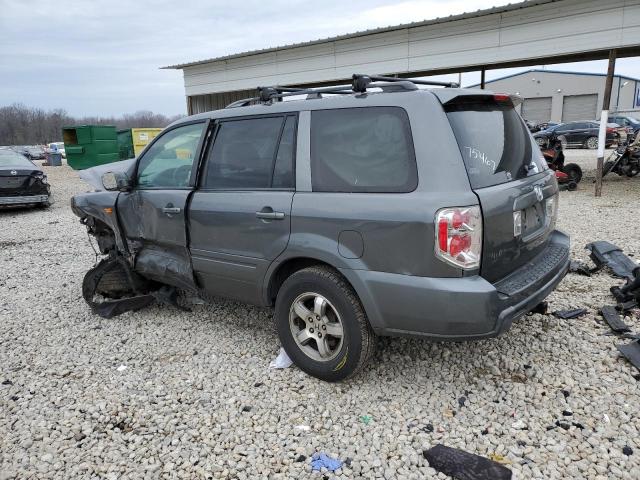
[{"x": 168, "y": 162}]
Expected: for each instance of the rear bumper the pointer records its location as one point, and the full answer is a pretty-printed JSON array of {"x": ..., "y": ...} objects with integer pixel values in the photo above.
[
  {"x": 23, "y": 200},
  {"x": 462, "y": 308}
]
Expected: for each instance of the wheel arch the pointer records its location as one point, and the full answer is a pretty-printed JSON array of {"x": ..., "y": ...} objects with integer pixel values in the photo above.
[{"x": 278, "y": 273}]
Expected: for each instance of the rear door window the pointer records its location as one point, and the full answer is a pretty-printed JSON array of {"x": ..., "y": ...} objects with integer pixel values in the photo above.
[
  {"x": 494, "y": 142},
  {"x": 366, "y": 149},
  {"x": 252, "y": 153}
]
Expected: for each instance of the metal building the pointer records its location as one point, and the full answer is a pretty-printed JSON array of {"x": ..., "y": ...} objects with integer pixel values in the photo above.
[
  {"x": 523, "y": 34},
  {"x": 550, "y": 95}
]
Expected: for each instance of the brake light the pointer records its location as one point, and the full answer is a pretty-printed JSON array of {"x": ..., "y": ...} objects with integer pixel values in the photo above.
[
  {"x": 610, "y": 129},
  {"x": 501, "y": 97},
  {"x": 459, "y": 236}
]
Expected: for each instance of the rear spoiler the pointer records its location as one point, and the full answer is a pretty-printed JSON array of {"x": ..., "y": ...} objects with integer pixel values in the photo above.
[{"x": 449, "y": 96}]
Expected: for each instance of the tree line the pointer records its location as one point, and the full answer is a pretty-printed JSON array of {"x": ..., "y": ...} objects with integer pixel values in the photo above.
[{"x": 22, "y": 125}]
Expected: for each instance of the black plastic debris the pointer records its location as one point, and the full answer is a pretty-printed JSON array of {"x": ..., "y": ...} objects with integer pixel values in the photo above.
[
  {"x": 540, "y": 308},
  {"x": 463, "y": 465},
  {"x": 462, "y": 400},
  {"x": 568, "y": 314},
  {"x": 631, "y": 352},
  {"x": 612, "y": 317},
  {"x": 581, "y": 268},
  {"x": 111, "y": 288},
  {"x": 627, "y": 306},
  {"x": 627, "y": 450},
  {"x": 7, "y": 382},
  {"x": 607, "y": 254}
]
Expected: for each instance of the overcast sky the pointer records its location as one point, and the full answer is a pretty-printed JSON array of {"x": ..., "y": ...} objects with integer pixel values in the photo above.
[{"x": 102, "y": 57}]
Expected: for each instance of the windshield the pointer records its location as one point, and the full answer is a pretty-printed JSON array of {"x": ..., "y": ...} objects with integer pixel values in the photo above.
[
  {"x": 12, "y": 159},
  {"x": 495, "y": 144}
]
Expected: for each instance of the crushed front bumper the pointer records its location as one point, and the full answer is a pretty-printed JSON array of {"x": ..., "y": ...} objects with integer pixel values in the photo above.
[
  {"x": 462, "y": 308},
  {"x": 23, "y": 200}
]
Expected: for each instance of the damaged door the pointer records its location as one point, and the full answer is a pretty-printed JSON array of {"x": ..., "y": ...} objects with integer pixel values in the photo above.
[{"x": 152, "y": 215}]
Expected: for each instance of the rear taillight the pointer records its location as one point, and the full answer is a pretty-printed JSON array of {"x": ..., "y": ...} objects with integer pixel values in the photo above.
[
  {"x": 610, "y": 129},
  {"x": 459, "y": 236}
]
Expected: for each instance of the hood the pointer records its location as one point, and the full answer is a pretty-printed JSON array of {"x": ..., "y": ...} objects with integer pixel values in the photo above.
[{"x": 93, "y": 176}]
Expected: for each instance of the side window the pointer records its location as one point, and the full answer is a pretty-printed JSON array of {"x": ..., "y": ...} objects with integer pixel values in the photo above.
[
  {"x": 367, "y": 149},
  {"x": 283, "y": 170},
  {"x": 167, "y": 164},
  {"x": 243, "y": 153}
]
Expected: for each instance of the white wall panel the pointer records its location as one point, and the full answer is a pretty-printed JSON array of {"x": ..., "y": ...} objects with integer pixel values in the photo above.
[{"x": 558, "y": 28}]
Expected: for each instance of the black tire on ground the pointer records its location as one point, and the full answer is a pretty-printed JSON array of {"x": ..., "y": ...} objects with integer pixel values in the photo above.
[
  {"x": 571, "y": 186},
  {"x": 573, "y": 171},
  {"x": 358, "y": 341}
]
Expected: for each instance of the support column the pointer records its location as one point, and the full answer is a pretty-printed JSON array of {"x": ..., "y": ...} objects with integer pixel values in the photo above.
[
  {"x": 482, "y": 78},
  {"x": 606, "y": 101}
]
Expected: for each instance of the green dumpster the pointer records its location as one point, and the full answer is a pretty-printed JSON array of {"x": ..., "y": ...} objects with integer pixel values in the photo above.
[
  {"x": 89, "y": 145},
  {"x": 125, "y": 144}
]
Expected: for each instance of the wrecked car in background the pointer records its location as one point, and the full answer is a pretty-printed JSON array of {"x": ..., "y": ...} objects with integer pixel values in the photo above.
[
  {"x": 333, "y": 212},
  {"x": 22, "y": 183}
]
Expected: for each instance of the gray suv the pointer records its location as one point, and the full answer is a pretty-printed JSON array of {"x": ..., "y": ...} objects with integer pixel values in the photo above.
[{"x": 374, "y": 209}]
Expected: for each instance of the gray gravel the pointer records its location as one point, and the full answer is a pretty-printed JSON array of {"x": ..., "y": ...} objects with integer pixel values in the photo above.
[{"x": 197, "y": 398}]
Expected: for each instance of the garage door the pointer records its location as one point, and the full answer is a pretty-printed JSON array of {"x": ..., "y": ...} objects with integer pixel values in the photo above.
[
  {"x": 579, "y": 107},
  {"x": 537, "y": 110}
]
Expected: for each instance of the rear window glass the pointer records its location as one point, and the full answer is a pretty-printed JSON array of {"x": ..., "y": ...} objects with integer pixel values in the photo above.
[
  {"x": 367, "y": 149},
  {"x": 495, "y": 144}
]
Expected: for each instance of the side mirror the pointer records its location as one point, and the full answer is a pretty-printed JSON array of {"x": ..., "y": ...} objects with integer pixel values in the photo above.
[{"x": 116, "y": 181}]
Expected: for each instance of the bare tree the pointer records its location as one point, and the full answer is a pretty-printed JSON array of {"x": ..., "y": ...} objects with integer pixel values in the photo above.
[{"x": 22, "y": 125}]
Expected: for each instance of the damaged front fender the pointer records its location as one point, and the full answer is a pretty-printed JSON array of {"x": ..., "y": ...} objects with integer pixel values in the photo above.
[{"x": 100, "y": 206}]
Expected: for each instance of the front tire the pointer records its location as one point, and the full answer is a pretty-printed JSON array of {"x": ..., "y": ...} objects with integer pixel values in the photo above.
[
  {"x": 322, "y": 325},
  {"x": 592, "y": 143}
]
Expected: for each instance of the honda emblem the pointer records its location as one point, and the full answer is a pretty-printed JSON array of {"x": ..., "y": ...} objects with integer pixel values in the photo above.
[
  {"x": 539, "y": 194},
  {"x": 13, "y": 172}
]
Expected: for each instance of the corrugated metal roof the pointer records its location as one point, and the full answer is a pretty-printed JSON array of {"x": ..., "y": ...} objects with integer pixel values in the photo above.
[
  {"x": 564, "y": 72},
  {"x": 451, "y": 18}
]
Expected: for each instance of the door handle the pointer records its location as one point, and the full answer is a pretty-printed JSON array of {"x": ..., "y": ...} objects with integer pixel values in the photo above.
[
  {"x": 170, "y": 209},
  {"x": 267, "y": 213}
]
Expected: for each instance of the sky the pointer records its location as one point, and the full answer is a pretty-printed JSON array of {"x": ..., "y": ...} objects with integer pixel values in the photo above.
[{"x": 103, "y": 57}]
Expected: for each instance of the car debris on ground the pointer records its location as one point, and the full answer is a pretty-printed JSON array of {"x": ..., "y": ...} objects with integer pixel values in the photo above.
[{"x": 463, "y": 465}]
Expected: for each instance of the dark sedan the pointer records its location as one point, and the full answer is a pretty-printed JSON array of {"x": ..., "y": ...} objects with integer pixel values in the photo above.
[
  {"x": 577, "y": 134},
  {"x": 22, "y": 182}
]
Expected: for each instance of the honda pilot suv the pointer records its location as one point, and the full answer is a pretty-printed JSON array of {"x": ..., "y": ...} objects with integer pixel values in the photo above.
[{"x": 379, "y": 208}]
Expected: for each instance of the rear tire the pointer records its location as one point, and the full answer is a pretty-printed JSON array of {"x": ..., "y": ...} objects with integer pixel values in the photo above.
[
  {"x": 316, "y": 300},
  {"x": 591, "y": 143},
  {"x": 573, "y": 171}
]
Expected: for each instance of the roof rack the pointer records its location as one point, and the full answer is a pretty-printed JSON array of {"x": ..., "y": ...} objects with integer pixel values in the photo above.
[{"x": 359, "y": 84}]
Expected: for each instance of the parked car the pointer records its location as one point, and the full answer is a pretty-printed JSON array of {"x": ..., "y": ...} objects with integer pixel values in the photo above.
[
  {"x": 583, "y": 134},
  {"x": 542, "y": 126},
  {"x": 426, "y": 213},
  {"x": 631, "y": 124},
  {"x": 22, "y": 182},
  {"x": 31, "y": 152},
  {"x": 57, "y": 147}
]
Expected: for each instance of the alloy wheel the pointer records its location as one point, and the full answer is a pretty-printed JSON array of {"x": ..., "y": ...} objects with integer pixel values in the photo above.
[{"x": 316, "y": 326}]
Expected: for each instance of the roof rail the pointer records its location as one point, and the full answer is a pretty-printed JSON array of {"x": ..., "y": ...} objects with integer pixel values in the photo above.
[{"x": 359, "y": 84}]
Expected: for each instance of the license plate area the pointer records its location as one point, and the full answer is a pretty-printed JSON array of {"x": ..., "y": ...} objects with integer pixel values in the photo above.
[{"x": 533, "y": 221}]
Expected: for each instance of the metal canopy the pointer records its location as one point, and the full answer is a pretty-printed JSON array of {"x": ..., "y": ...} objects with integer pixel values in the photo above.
[{"x": 523, "y": 34}]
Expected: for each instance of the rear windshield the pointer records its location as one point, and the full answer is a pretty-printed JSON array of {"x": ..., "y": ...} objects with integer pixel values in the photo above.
[{"x": 494, "y": 141}]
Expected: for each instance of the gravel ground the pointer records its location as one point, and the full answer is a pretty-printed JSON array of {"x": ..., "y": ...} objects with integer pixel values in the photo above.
[{"x": 552, "y": 398}]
